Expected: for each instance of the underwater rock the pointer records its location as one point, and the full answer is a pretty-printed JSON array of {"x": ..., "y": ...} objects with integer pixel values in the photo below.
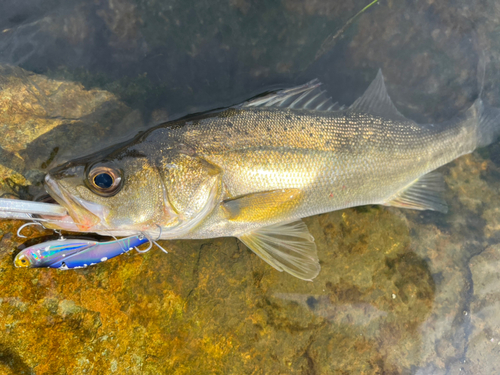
[
  {"x": 44, "y": 121},
  {"x": 484, "y": 336}
]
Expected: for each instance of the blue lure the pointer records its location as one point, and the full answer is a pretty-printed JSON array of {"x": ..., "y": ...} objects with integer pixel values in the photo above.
[{"x": 70, "y": 253}]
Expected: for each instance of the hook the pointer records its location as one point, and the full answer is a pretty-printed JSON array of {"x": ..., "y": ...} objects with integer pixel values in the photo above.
[
  {"x": 156, "y": 243},
  {"x": 161, "y": 248},
  {"x": 150, "y": 244},
  {"x": 27, "y": 225}
]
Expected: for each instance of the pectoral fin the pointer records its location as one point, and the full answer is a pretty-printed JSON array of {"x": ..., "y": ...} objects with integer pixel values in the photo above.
[
  {"x": 261, "y": 206},
  {"x": 287, "y": 247},
  {"x": 422, "y": 194}
]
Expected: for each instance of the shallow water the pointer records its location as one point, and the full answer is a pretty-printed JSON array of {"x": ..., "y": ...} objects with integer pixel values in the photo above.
[{"x": 400, "y": 292}]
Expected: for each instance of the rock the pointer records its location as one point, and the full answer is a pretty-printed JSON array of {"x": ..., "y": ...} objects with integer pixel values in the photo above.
[
  {"x": 484, "y": 336},
  {"x": 45, "y": 121}
]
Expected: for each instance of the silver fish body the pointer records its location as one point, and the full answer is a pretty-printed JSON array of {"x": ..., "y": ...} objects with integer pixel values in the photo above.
[{"x": 253, "y": 171}]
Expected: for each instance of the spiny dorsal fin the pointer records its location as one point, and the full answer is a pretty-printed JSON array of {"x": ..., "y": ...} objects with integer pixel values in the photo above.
[
  {"x": 376, "y": 101},
  {"x": 422, "y": 194},
  {"x": 307, "y": 96},
  {"x": 287, "y": 247}
]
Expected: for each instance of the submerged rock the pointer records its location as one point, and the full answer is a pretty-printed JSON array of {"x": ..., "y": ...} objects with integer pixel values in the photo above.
[{"x": 45, "y": 121}]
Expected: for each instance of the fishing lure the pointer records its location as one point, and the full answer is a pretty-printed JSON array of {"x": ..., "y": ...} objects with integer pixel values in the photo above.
[{"x": 70, "y": 253}]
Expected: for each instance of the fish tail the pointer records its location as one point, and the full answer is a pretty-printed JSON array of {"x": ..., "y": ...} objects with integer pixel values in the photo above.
[{"x": 487, "y": 122}]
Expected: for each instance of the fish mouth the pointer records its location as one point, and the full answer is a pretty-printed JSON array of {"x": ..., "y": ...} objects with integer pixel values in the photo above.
[{"x": 86, "y": 215}]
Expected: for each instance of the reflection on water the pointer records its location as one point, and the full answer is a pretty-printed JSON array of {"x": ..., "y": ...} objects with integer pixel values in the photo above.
[{"x": 399, "y": 291}]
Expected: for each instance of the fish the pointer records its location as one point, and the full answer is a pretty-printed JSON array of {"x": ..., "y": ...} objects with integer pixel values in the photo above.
[
  {"x": 256, "y": 169},
  {"x": 72, "y": 253}
]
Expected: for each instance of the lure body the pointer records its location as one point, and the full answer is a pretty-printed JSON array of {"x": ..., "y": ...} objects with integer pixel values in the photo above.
[{"x": 69, "y": 253}]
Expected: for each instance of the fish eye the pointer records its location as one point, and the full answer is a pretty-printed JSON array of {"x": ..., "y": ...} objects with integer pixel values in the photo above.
[
  {"x": 22, "y": 261},
  {"x": 104, "y": 181}
]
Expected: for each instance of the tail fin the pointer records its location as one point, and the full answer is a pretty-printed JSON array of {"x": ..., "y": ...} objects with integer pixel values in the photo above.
[{"x": 488, "y": 122}]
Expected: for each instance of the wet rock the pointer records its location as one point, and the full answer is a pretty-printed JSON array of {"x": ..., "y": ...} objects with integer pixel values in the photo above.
[{"x": 45, "y": 121}]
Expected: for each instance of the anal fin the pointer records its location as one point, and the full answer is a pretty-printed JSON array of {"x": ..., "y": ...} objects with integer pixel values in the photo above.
[
  {"x": 287, "y": 247},
  {"x": 425, "y": 193}
]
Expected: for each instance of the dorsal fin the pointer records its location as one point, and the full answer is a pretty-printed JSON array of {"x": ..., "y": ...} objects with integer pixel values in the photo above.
[
  {"x": 307, "y": 96},
  {"x": 376, "y": 101}
]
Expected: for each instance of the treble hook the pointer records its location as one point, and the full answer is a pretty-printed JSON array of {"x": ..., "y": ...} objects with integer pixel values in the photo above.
[
  {"x": 141, "y": 236},
  {"x": 27, "y": 225},
  {"x": 156, "y": 243},
  {"x": 151, "y": 242},
  {"x": 161, "y": 248}
]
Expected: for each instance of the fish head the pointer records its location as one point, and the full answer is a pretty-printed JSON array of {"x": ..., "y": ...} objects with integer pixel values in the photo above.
[
  {"x": 119, "y": 192},
  {"x": 136, "y": 190}
]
